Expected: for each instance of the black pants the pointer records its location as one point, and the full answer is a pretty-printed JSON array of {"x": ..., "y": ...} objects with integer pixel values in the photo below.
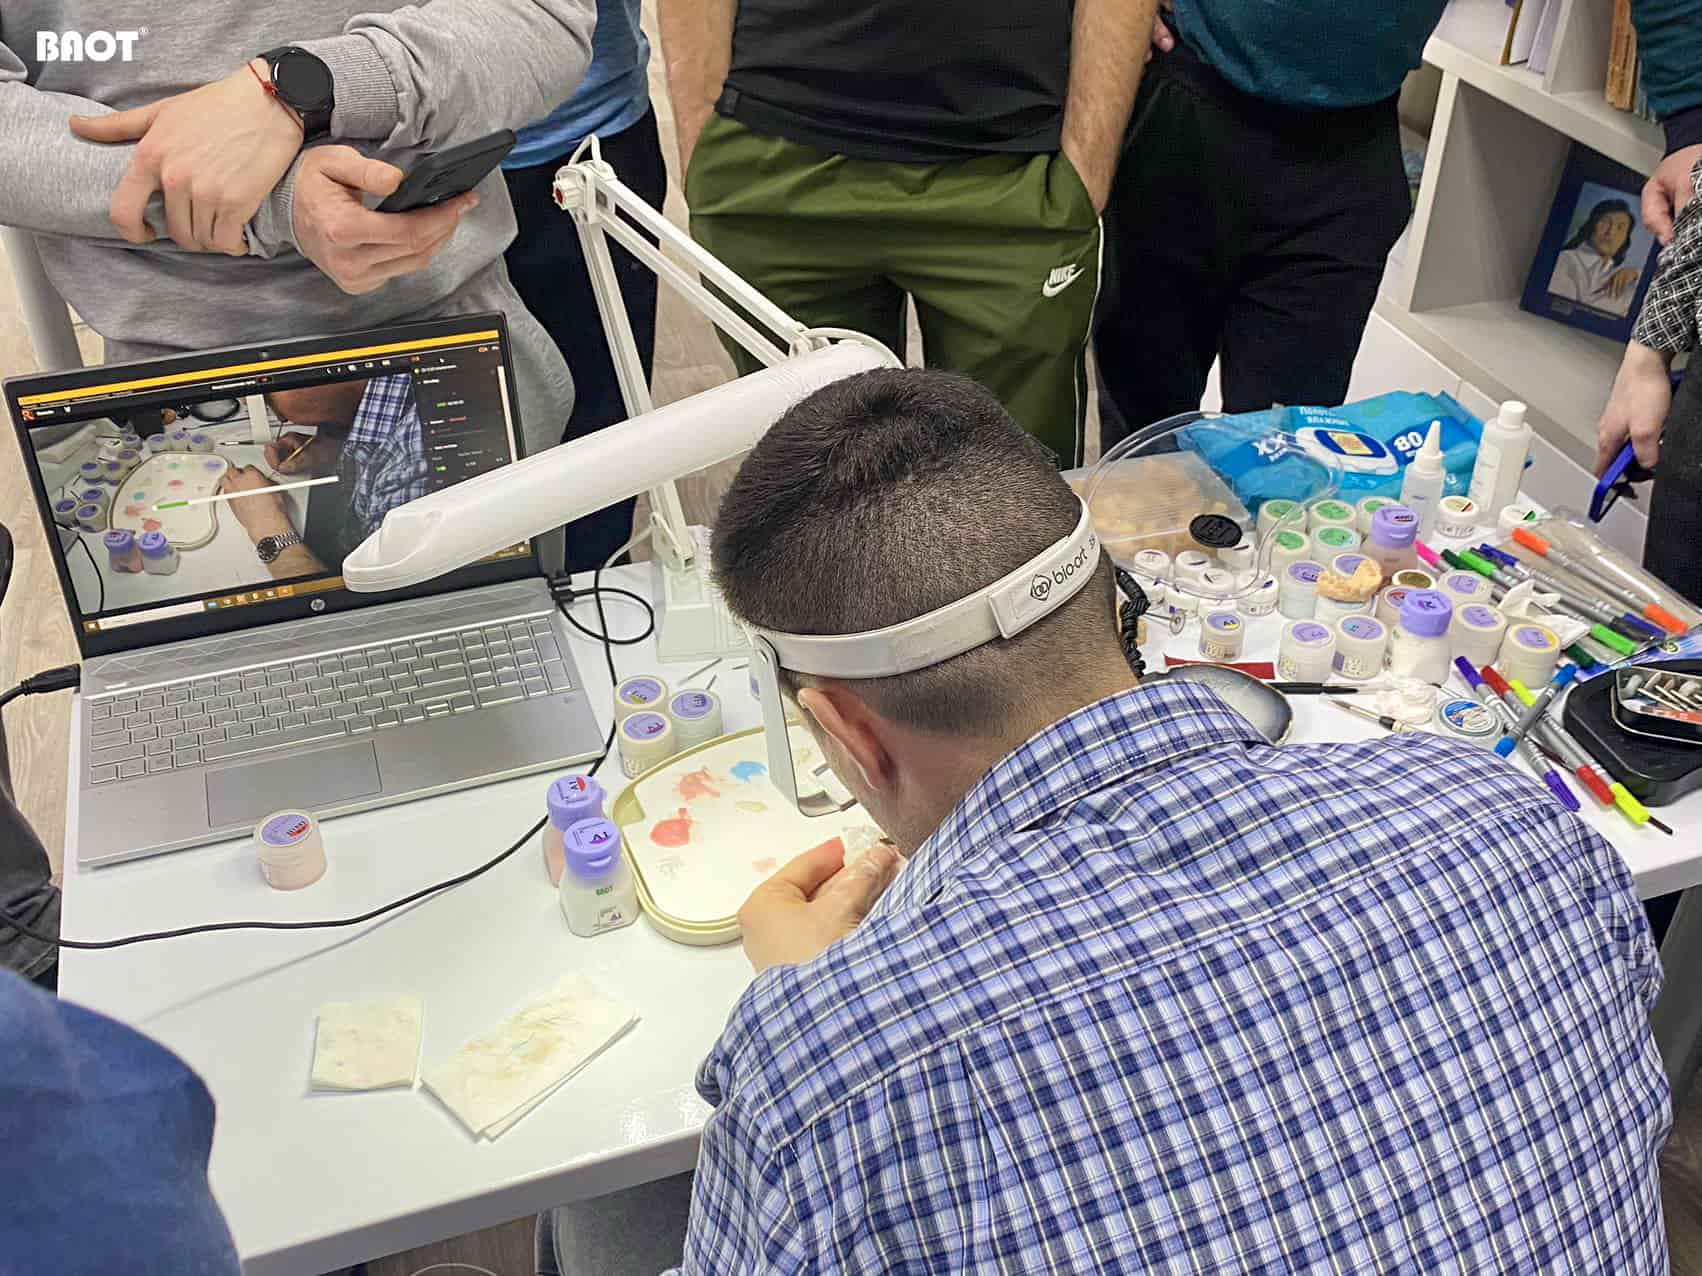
[
  {"x": 1246, "y": 231},
  {"x": 1673, "y": 550},
  {"x": 549, "y": 274}
]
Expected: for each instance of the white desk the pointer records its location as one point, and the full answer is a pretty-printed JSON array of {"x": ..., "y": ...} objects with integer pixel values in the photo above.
[{"x": 315, "y": 1182}]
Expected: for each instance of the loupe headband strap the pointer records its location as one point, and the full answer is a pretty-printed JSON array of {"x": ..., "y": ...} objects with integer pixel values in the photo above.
[{"x": 1001, "y": 610}]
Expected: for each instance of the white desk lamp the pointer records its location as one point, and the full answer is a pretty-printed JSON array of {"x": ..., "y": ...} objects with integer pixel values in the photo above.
[{"x": 456, "y": 526}]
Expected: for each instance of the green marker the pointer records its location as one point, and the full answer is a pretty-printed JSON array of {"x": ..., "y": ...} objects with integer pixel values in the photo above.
[
  {"x": 1580, "y": 657},
  {"x": 1617, "y": 641},
  {"x": 171, "y": 505}
]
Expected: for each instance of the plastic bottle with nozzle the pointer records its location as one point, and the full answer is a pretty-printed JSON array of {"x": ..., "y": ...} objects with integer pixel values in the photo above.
[
  {"x": 1422, "y": 484},
  {"x": 1501, "y": 454}
]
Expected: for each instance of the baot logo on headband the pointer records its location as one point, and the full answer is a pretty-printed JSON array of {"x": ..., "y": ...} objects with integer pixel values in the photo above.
[{"x": 1003, "y": 609}]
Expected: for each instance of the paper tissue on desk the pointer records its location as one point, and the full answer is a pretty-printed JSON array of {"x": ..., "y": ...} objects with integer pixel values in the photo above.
[{"x": 499, "y": 1076}]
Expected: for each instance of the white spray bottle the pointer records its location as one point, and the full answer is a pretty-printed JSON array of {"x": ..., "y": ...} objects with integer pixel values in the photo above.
[
  {"x": 1421, "y": 485},
  {"x": 1500, "y": 464}
]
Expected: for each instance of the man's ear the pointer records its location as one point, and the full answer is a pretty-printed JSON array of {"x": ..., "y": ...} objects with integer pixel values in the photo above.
[{"x": 841, "y": 714}]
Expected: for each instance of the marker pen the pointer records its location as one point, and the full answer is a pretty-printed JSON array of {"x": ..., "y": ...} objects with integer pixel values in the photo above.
[
  {"x": 1538, "y": 705},
  {"x": 1526, "y": 750},
  {"x": 1606, "y": 790},
  {"x": 1588, "y": 607},
  {"x": 1584, "y": 571},
  {"x": 1478, "y": 687}
]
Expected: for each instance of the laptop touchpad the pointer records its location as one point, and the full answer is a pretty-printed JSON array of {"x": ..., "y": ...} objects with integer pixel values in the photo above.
[{"x": 306, "y": 781}]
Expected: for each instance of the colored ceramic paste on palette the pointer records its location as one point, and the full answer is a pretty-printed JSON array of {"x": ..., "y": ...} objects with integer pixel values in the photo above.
[{"x": 187, "y": 526}]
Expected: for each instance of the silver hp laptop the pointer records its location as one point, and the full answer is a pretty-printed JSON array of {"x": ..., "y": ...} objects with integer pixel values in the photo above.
[{"x": 199, "y": 508}]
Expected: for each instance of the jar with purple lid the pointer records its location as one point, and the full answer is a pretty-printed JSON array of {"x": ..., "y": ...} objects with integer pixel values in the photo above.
[
  {"x": 65, "y": 511},
  {"x": 1297, "y": 589},
  {"x": 1475, "y": 635},
  {"x": 570, "y": 799},
  {"x": 1222, "y": 635},
  {"x": 159, "y": 556},
  {"x": 596, "y": 892},
  {"x": 1393, "y": 535},
  {"x": 1362, "y": 642},
  {"x": 1464, "y": 587},
  {"x": 1418, "y": 647},
  {"x": 122, "y": 552},
  {"x": 202, "y": 443}
]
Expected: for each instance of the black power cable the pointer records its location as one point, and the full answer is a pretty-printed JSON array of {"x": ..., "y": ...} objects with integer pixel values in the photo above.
[
  {"x": 1129, "y": 618},
  {"x": 564, "y": 595}
]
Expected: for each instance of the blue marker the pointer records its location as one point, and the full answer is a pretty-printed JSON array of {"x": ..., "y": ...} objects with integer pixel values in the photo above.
[{"x": 1539, "y": 706}]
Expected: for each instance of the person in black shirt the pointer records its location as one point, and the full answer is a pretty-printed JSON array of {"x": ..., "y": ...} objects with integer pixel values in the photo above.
[{"x": 842, "y": 157}]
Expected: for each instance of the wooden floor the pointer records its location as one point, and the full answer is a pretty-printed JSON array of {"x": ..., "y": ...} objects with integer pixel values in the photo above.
[{"x": 35, "y": 634}]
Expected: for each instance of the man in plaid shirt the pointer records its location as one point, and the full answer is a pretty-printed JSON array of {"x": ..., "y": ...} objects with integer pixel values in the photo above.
[
  {"x": 369, "y": 435},
  {"x": 1149, "y": 994}
]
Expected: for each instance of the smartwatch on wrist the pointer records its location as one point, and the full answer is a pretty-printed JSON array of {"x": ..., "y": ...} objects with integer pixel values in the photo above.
[
  {"x": 303, "y": 82},
  {"x": 269, "y": 547}
]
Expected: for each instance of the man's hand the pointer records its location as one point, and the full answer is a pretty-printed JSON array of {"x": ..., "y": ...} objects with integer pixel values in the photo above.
[
  {"x": 1668, "y": 190},
  {"x": 1620, "y": 280},
  {"x": 356, "y": 248},
  {"x": 294, "y": 454},
  {"x": 1095, "y": 172},
  {"x": 1109, "y": 44},
  {"x": 261, "y": 514},
  {"x": 812, "y": 902},
  {"x": 1162, "y": 39},
  {"x": 215, "y": 153},
  {"x": 1637, "y": 409}
]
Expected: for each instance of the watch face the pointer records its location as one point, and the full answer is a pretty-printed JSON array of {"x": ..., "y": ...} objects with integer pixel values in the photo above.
[{"x": 302, "y": 80}]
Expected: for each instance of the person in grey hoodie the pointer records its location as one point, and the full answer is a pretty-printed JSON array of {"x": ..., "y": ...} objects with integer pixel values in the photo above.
[{"x": 179, "y": 203}]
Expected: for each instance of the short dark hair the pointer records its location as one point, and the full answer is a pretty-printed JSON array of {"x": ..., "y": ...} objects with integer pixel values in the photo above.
[{"x": 886, "y": 495}]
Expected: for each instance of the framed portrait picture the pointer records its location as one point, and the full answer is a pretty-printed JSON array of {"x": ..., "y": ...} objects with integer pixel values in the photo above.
[{"x": 1596, "y": 260}]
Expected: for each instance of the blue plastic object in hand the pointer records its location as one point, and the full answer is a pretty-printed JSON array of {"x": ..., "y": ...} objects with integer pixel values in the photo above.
[{"x": 1616, "y": 482}]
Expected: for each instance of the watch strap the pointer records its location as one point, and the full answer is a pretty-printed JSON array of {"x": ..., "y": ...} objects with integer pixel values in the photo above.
[
  {"x": 276, "y": 545},
  {"x": 315, "y": 121}
]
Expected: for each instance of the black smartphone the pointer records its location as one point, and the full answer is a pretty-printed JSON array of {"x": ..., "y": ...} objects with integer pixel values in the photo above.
[{"x": 441, "y": 175}]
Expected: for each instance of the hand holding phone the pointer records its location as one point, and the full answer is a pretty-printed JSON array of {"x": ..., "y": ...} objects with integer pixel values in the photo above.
[
  {"x": 356, "y": 247},
  {"x": 441, "y": 175}
]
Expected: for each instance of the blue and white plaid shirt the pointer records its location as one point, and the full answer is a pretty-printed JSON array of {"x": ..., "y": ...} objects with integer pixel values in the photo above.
[
  {"x": 1159, "y": 997},
  {"x": 386, "y": 450}
]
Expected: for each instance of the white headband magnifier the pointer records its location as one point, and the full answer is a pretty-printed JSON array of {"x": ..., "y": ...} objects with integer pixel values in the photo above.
[{"x": 1001, "y": 610}]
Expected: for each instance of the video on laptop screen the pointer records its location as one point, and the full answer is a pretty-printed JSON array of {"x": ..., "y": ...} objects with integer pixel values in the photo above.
[{"x": 244, "y": 484}]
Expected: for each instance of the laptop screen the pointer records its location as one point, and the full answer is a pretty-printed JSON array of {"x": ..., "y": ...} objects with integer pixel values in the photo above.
[{"x": 211, "y": 492}]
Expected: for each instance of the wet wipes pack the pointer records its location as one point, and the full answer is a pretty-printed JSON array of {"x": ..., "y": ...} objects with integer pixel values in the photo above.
[{"x": 1371, "y": 441}]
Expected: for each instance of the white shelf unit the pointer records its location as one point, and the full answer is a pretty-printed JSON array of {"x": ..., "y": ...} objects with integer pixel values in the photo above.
[{"x": 1499, "y": 142}]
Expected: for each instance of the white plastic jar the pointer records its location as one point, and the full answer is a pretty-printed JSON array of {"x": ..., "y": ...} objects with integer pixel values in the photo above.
[
  {"x": 597, "y": 892},
  {"x": 1418, "y": 647}
]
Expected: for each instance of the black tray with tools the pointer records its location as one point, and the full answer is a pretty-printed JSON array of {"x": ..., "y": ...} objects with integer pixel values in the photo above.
[{"x": 1657, "y": 773}]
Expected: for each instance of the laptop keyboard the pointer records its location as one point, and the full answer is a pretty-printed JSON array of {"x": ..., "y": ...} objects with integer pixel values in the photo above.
[{"x": 297, "y": 702}]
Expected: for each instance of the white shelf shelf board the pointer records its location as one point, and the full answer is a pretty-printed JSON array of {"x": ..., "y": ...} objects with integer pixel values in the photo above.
[{"x": 1584, "y": 116}]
